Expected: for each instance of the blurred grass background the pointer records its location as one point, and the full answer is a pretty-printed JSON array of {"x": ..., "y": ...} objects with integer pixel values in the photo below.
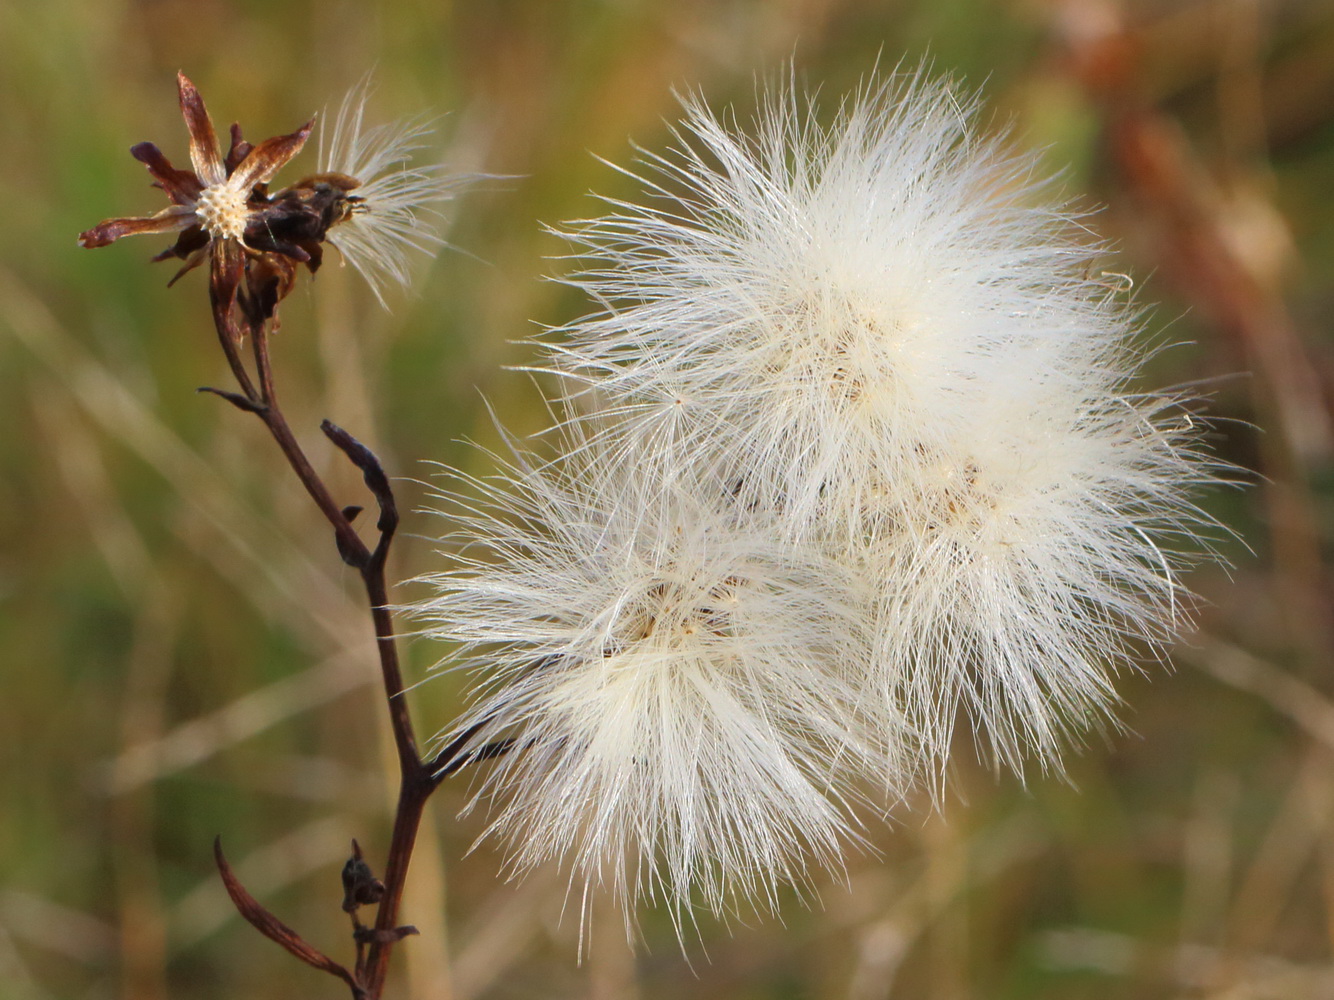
[{"x": 183, "y": 655}]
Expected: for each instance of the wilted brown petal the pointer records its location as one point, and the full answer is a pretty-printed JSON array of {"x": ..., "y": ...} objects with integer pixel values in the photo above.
[
  {"x": 204, "y": 151},
  {"x": 285, "y": 227},
  {"x": 181, "y": 186},
  {"x": 191, "y": 262},
  {"x": 239, "y": 151},
  {"x": 189, "y": 242},
  {"x": 264, "y": 160},
  {"x": 269, "y": 279},
  {"x": 169, "y": 220}
]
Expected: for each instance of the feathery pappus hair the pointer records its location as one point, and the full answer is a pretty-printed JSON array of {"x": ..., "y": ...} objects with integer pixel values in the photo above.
[{"x": 395, "y": 206}]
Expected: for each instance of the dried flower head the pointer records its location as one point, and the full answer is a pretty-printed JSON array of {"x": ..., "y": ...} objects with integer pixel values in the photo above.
[
  {"x": 220, "y": 209},
  {"x": 225, "y": 213},
  {"x": 677, "y": 683}
]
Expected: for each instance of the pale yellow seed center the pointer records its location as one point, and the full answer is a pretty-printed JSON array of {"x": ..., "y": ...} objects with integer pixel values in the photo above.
[{"x": 222, "y": 211}]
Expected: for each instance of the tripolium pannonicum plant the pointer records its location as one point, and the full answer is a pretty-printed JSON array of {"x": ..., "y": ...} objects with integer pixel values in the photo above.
[{"x": 846, "y": 452}]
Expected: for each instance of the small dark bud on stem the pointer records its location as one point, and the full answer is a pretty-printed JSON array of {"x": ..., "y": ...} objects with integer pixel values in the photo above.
[{"x": 360, "y": 886}]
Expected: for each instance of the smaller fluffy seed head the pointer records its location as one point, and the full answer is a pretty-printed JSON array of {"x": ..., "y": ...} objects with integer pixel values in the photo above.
[
  {"x": 679, "y": 686},
  {"x": 396, "y": 208}
]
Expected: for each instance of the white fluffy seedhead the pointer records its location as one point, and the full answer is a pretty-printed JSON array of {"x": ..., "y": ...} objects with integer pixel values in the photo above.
[
  {"x": 807, "y": 307},
  {"x": 681, "y": 687},
  {"x": 1033, "y": 556}
]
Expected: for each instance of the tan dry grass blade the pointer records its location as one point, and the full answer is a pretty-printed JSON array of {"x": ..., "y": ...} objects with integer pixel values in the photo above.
[
  {"x": 1286, "y": 694},
  {"x": 72, "y": 933},
  {"x": 310, "y": 595},
  {"x": 241, "y": 544},
  {"x": 247, "y": 716}
]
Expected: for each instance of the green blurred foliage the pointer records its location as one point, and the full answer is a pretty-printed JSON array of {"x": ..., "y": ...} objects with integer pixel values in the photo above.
[{"x": 184, "y": 656}]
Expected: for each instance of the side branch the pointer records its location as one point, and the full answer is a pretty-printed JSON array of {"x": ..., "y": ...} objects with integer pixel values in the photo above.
[
  {"x": 377, "y": 482},
  {"x": 274, "y": 929}
]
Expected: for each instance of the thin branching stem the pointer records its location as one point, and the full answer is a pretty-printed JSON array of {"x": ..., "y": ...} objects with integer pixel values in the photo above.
[{"x": 416, "y": 778}]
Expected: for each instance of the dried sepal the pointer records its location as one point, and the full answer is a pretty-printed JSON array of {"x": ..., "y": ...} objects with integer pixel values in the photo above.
[
  {"x": 239, "y": 150},
  {"x": 266, "y": 159},
  {"x": 269, "y": 278},
  {"x": 182, "y": 186},
  {"x": 225, "y": 272}
]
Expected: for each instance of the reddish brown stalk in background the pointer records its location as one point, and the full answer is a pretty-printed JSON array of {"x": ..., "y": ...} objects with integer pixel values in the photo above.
[{"x": 1178, "y": 200}]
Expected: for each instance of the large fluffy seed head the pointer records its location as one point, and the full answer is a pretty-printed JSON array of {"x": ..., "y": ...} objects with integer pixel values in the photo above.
[
  {"x": 813, "y": 306},
  {"x": 681, "y": 688}
]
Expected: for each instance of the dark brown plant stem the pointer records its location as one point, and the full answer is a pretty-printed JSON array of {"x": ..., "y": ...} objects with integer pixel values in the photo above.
[
  {"x": 416, "y": 778},
  {"x": 228, "y": 338},
  {"x": 412, "y": 796},
  {"x": 272, "y": 415}
]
